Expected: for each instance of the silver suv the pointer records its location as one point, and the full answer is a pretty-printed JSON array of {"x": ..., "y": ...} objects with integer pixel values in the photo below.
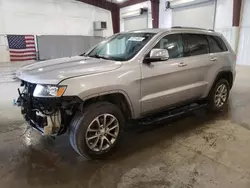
[{"x": 140, "y": 76}]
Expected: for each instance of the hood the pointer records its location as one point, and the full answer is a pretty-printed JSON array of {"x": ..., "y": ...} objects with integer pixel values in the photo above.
[{"x": 56, "y": 70}]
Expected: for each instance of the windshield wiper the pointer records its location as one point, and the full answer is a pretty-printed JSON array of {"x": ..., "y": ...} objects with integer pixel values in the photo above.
[
  {"x": 84, "y": 54},
  {"x": 101, "y": 56}
]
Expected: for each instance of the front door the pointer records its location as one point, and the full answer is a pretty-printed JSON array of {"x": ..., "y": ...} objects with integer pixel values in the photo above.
[{"x": 178, "y": 79}]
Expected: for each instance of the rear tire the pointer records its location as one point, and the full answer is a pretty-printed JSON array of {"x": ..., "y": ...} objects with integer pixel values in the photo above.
[
  {"x": 218, "y": 96},
  {"x": 96, "y": 132}
]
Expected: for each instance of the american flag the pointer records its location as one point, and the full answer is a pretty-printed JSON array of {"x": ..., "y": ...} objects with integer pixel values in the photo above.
[{"x": 22, "y": 47}]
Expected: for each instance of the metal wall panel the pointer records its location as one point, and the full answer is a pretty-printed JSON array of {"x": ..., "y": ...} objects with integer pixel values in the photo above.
[
  {"x": 56, "y": 46},
  {"x": 243, "y": 48},
  {"x": 4, "y": 50},
  {"x": 244, "y": 42}
]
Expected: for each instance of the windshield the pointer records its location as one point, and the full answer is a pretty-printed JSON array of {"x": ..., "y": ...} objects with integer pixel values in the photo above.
[{"x": 122, "y": 47}]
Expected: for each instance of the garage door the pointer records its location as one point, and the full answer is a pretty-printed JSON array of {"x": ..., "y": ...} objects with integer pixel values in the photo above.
[
  {"x": 136, "y": 22},
  {"x": 244, "y": 42},
  {"x": 199, "y": 15}
]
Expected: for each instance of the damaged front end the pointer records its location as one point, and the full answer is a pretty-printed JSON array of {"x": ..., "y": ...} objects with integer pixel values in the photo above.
[{"x": 49, "y": 115}]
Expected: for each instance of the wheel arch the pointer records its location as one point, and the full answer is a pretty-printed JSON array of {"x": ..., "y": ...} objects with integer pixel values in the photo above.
[
  {"x": 117, "y": 97},
  {"x": 228, "y": 75},
  {"x": 224, "y": 74}
]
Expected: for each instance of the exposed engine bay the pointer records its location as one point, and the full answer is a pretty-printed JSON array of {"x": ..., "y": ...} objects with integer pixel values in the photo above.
[{"x": 51, "y": 116}]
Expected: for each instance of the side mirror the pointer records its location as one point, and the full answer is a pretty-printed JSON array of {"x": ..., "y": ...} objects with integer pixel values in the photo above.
[{"x": 157, "y": 54}]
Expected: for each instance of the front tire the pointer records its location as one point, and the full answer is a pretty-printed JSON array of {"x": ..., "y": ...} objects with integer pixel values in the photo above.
[
  {"x": 218, "y": 96},
  {"x": 96, "y": 132}
]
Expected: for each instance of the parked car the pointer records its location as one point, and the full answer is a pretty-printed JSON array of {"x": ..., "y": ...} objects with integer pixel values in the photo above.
[{"x": 131, "y": 76}]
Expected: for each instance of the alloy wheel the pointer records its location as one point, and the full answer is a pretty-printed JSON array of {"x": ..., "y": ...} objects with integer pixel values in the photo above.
[
  {"x": 102, "y": 132},
  {"x": 220, "y": 95}
]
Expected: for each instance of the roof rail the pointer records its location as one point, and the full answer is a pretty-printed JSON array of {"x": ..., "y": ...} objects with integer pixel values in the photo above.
[{"x": 180, "y": 27}]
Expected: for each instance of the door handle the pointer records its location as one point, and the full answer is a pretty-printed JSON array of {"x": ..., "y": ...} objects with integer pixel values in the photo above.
[
  {"x": 182, "y": 64},
  {"x": 213, "y": 59}
]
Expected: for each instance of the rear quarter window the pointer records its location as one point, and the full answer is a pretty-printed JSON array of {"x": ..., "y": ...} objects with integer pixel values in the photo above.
[{"x": 216, "y": 44}]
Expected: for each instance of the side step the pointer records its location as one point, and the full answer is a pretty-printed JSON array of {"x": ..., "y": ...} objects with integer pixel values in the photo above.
[{"x": 171, "y": 113}]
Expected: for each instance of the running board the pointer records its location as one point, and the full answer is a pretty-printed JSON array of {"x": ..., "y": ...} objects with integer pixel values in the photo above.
[{"x": 168, "y": 114}]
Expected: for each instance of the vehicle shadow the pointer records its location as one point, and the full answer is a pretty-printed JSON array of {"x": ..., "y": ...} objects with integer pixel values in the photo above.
[
  {"x": 54, "y": 163},
  {"x": 139, "y": 137}
]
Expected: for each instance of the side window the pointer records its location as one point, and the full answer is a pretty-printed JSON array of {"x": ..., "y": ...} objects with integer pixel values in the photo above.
[
  {"x": 173, "y": 43},
  {"x": 216, "y": 44},
  {"x": 195, "y": 44}
]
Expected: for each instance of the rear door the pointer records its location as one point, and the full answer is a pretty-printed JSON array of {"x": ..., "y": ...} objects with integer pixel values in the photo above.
[
  {"x": 196, "y": 50},
  {"x": 219, "y": 58},
  {"x": 217, "y": 48}
]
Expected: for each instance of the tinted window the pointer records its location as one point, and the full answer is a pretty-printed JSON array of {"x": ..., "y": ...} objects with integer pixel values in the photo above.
[
  {"x": 195, "y": 45},
  {"x": 216, "y": 44},
  {"x": 174, "y": 45}
]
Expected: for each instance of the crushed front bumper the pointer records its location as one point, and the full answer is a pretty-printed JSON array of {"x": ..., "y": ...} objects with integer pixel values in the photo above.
[{"x": 50, "y": 116}]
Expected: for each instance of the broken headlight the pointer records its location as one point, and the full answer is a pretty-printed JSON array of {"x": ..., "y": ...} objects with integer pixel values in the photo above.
[{"x": 49, "y": 91}]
